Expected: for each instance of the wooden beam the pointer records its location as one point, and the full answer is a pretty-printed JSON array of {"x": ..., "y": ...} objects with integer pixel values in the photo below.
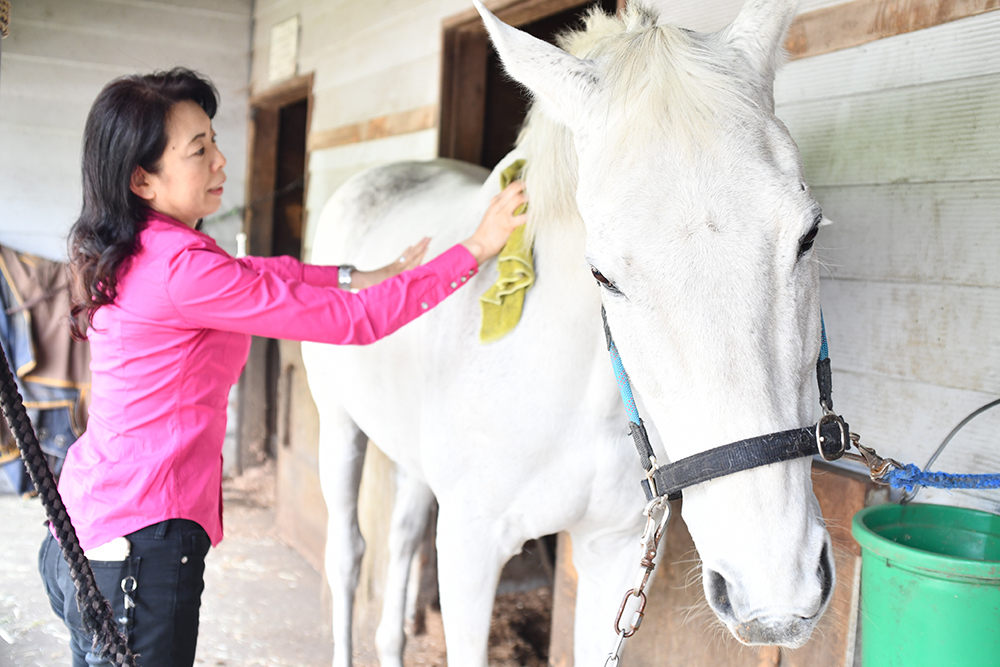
[
  {"x": 404, "y": 122},
  {"x": 284, "y": 93},
  {"x": 511, "y": 12},
  {"x": 862, "y": 21}
]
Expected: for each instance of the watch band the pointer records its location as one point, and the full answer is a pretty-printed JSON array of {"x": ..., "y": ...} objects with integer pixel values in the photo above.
[{"x": 344, "y": 272}]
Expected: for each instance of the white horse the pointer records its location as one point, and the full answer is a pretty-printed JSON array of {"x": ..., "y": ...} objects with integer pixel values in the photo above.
[{"x": 656, "y": 165}]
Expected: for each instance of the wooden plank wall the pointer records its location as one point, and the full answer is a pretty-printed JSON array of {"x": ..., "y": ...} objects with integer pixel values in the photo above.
[
  {"x": 59, "y": 55},
  {"x": 901, "y": 142}
]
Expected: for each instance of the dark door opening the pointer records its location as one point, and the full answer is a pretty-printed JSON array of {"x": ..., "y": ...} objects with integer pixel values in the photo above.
[
  {"x": 482, "y": 109},
  {"x": 286, "y": 238},
  {"x": 274, "y": 222},
  {"x": 506, "y": 100}
]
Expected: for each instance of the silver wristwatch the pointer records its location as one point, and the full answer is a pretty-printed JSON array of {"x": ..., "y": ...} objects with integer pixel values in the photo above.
[{"x": 344, "y": 272}]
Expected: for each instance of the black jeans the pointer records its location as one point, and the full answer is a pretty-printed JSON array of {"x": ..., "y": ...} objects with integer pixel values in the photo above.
[{"x": 165, "y": 576}]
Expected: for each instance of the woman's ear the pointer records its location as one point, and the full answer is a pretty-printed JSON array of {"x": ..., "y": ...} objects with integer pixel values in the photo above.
[{"x": 140, "y": 185}]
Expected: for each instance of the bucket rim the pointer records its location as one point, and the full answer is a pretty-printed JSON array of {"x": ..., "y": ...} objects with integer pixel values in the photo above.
[{"x": 913, "y": 558}]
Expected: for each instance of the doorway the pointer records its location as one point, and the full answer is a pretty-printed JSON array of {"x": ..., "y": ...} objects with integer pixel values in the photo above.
[{"x": 279, "y": 125}]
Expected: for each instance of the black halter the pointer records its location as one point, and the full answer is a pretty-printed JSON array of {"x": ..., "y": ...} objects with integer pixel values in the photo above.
[{"x": 830, "y": 438}]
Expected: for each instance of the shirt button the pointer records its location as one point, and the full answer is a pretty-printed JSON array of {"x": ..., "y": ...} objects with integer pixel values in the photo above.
[
  {"x": 471, "y": 271},
  {"x": 454, "y": 284},
  {"x": 463, "y": 279},
  {"x": 424, "y": 306}
]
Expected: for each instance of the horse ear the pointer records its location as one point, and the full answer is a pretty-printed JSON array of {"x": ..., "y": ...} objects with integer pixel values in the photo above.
[
  {"x": 759, "y": 32},
  {"x": 563, "y": 82}
]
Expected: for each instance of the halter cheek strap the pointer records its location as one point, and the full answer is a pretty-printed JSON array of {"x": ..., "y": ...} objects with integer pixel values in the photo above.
[{"x": 830, "y": 437}]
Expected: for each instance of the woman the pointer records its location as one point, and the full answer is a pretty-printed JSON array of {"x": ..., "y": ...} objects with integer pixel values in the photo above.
[{"x": 169, "y": 316}]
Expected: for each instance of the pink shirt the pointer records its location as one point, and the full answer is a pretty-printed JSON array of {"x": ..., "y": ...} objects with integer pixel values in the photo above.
[{"x": 165, "y": 354}]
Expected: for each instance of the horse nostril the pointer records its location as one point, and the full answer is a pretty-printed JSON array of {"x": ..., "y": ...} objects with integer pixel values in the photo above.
[
  {"x": 825, "y": 573},
  {"x": 719, "y": 594}
]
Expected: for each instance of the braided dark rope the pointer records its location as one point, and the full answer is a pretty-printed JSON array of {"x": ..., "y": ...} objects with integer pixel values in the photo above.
[{"x": 98, "y": 617}]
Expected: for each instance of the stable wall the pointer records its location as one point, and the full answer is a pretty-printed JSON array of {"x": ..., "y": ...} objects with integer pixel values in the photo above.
[{"x": 59, "y": 55}]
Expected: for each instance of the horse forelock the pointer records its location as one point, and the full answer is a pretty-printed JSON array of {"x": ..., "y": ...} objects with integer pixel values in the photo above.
[{"x": 659, "y": 82}]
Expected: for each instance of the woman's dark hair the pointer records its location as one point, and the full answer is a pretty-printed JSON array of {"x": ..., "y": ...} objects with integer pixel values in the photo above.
[{"x": 126, "y": 129}]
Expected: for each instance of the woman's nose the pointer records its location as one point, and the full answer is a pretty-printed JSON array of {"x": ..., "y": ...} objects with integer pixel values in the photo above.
[{"x": 220, "y": 160}]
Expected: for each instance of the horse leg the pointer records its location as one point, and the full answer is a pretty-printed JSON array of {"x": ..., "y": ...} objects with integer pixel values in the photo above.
[
  {"x": 409, "y": 521},
  {"x": 469, "y": 565},
  {"x": 342, "y": 448},
  {"x": 606, "y": 567}
]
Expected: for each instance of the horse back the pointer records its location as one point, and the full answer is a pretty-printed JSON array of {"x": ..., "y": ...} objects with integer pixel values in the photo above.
[{"x": 382, "y": 210}]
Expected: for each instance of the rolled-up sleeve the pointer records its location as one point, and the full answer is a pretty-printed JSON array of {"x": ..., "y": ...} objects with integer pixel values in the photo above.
[{"x": 210, "y": 289}]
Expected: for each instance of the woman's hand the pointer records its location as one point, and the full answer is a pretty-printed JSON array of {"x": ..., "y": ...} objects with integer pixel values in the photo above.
[
  {"x": 408, "y": 259},
  {"x": 498, "y": 222}
]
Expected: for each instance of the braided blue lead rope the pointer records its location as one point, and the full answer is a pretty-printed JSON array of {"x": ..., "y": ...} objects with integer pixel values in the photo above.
[
  {"x": 623, "y": 385},
  {"x": 912, "y": 476}
]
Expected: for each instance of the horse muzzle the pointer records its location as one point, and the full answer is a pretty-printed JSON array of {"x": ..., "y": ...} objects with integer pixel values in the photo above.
[{"x": 767, "y": 626}]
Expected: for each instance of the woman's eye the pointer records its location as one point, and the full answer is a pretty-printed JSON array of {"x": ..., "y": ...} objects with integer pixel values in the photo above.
[
  {"x": 201, "y": 151},
  {"x": 607, "y": 284}
]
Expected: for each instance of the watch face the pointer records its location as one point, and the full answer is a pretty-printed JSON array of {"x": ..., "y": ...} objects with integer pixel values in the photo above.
[{"x": 344, "y": 275}]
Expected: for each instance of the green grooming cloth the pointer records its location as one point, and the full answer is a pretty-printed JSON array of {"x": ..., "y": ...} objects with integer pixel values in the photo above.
[{"x": 503, "y": 302}]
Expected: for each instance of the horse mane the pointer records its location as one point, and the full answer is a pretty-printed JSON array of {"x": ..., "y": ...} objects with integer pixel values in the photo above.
[{"x": 659, "y": 80}]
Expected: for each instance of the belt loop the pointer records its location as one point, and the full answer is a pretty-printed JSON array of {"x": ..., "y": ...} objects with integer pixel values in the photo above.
[{"x": 161, "y": 530}]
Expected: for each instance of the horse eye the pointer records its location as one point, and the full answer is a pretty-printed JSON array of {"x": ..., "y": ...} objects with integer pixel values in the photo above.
[
  {"x": 599, "y": 277},
  {"x": 806, "y": 244}
]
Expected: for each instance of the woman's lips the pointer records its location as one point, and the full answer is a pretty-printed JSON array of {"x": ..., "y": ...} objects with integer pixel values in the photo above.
[{"x": 216, "y": 191}]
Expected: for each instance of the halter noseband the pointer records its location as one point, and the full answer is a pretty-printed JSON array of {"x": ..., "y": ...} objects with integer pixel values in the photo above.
[{"x": 830, "y": 438}]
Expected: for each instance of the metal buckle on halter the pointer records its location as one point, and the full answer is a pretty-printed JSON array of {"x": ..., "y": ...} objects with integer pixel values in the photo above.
[
  {"x": 845, "y": 437},
  {"x": 653, "y": 465}
]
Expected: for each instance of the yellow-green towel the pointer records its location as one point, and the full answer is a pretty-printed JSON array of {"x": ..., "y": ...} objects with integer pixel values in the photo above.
[{"x": 503, "y": 302}]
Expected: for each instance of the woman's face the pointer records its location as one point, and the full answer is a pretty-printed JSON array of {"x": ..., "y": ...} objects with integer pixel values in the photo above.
[{"x": 188, "y": 185}]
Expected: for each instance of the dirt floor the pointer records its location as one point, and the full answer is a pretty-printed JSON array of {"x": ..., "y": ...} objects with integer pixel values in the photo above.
[{"x": 261, "y": 605}]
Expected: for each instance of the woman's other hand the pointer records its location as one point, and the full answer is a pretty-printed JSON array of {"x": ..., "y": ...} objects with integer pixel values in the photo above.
[
  {"x": 408, "y": 259},
  {"x": 498, "y": 222}
]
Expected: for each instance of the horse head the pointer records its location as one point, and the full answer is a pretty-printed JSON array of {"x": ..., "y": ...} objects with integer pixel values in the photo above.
[{"x": 699, "y": 229}]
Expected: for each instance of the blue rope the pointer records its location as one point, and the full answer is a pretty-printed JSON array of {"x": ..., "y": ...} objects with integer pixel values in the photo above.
[
  {"x": 623, "y": 384},
  {"x": 912, "y": 476}
]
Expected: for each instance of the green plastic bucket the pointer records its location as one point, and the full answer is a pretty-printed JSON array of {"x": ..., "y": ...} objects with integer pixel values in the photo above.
[{"x": 930, "y": 586}]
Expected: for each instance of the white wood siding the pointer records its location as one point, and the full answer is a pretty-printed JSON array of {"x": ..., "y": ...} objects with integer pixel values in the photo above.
[
  {"x": 901, "y": 142},
  {"x": 59, "y": 55}
]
